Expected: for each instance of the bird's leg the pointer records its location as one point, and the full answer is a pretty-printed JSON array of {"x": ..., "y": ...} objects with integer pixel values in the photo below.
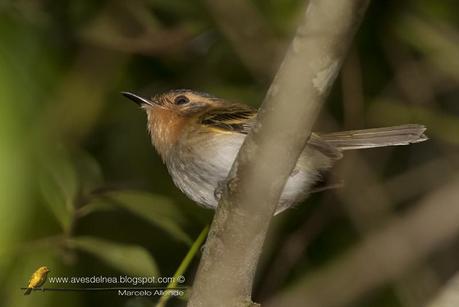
[{"x": 221, "y": 185}]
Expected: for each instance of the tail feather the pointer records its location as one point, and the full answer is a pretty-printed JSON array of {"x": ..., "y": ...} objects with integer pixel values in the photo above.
[
  {"x": 376, "y": 137},
  {"x": 27, "y": 291}
]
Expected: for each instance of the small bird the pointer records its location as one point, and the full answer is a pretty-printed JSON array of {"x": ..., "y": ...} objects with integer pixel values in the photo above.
[
  {"x": 198, "y": 137},
  {"x": 37, "y": 279}
]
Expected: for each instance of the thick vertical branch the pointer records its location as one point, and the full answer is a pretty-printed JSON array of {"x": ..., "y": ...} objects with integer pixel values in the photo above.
[
  {"x": 270, "y": 151},
  {"x": 449, "y": 295}
]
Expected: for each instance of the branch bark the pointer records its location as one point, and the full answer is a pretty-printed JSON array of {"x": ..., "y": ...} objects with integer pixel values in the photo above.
[
  {"x": 227, "y": 268},
  {"x": 449, "y": 295}
]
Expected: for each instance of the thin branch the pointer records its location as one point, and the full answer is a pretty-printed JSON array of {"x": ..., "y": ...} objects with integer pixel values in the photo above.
[
  {"x": 129, "y": 27},
  {"x": 184, "y": 265},
  {"x": 226, "y": 272},
  {"x": 248, "y": 34}
]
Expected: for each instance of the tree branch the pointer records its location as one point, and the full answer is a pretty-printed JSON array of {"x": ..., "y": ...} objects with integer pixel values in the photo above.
[
  {"x": 249, "y": 35},
  {"x": 383, "y": 256},
  {"x": 449, "y": 295},
  {"x": 227, "y": 268}
]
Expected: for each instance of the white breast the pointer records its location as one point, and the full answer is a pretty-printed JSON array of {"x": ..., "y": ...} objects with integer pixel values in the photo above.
[{"x": 197, "y": 170}]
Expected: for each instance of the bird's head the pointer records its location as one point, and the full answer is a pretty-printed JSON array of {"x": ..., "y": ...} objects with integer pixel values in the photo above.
[
  {"x": 43, "y": 269},
  {"x": 171, "y": 113},
  {"x": 182, "y": 102}
]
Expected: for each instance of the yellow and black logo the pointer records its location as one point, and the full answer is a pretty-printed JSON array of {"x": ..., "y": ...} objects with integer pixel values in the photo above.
[{"x": 37, "y": 279}]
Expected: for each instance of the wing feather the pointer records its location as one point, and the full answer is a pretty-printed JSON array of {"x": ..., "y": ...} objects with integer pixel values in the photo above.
[
  {"x": 232, "y": 118},
  {"x": 239, "y": 118}
]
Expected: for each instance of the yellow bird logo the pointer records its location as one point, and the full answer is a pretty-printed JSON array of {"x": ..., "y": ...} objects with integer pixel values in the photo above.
[{"x": 37, "y": 279}]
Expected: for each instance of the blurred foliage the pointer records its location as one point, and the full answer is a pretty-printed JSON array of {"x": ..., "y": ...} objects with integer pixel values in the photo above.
[
  {"x": 119, "y": 256},
  {"x": 81, "y": 189}
]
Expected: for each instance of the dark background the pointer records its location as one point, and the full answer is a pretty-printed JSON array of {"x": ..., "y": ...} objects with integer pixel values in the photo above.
[{"x": 83, "y": 192}]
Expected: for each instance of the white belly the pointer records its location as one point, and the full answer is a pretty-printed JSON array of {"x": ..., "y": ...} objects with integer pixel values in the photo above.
[{"x": 198, "y": 170}]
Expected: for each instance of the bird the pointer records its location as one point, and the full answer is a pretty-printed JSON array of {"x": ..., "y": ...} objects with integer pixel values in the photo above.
[
  {"x": 37, "y": 279},
  {"x": 198, "y": 136}
]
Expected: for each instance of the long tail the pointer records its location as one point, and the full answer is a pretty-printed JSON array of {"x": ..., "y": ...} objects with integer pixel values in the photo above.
[
  {"x": 27, "y": 291},
  {"x": 376, "y": 137}
]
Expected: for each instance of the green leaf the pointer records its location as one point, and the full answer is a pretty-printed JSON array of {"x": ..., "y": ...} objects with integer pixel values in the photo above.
[
  {"x": 59, "y": 186},
  {"x": 89, "y": 173},
  {"x": 65, "y": 176},
  {"x": 96, "y": 205},
  {"x": 130, "y": 259},
  {"x": 156, "y": 209}
]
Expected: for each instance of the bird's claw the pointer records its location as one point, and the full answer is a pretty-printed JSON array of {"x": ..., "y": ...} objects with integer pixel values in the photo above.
[{"x": 218, "y": 192}]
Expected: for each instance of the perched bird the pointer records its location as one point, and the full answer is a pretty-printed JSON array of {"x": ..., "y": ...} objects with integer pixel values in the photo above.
[
  {"x": 37, "y": 279},
  {"x": 198, "y": 137}
]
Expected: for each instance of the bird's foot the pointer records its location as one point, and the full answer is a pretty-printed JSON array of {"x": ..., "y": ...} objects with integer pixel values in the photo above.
[{"x": 219, "y": 190}]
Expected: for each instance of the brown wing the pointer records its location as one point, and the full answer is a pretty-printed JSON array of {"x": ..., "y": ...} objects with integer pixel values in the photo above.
[
  {"x": 231, "y": 118},
  {"x": 376, "y": 137},
  {"x": 240, "y": 118}
]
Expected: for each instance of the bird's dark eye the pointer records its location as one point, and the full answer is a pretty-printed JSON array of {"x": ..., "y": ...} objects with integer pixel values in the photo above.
[{"x": 179, "y": 100}]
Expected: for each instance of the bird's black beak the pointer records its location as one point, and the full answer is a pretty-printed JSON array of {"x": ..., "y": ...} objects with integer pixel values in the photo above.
[{"x": 137, "y": 99}]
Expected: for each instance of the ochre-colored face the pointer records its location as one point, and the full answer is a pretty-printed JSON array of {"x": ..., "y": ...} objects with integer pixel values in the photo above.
[
  {"x": 171, "y": 112},
  {"x": 183, "y": 102}
]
